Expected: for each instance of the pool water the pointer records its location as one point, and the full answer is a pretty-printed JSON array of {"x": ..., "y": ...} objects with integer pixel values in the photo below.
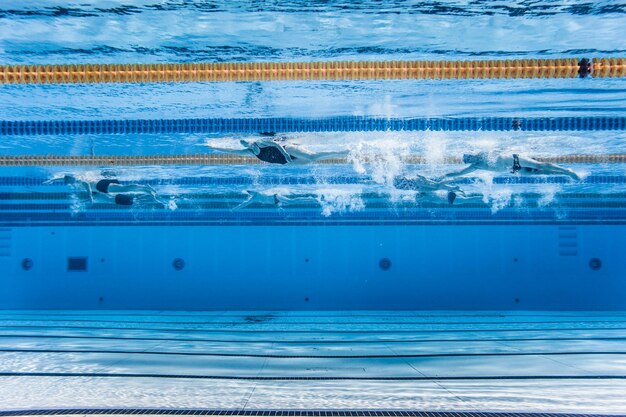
[{"x": 336, "y": 287}]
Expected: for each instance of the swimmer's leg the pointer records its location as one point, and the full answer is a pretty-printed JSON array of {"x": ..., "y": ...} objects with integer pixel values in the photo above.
[
  {"x": 288, "y": 201},
  {"x": 546, "y": 168},
  {"x": 462, "y": 172},
  {"x": 559, "y": 170},
  {"x": 244, "y": 151},
  {"x": 470, "y": 199},
  {"x": 303, "y": 155}
]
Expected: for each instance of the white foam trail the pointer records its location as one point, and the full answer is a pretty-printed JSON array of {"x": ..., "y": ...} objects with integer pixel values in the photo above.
[
  {"x": 383, "y": 156},
  {"x": 435, "y": 144},
  {"x": 335, "y": 200},
  {"x": 76, "y": 205},
  {"x": 548, "y": 194},
  {"x": 500, "y": 199}
]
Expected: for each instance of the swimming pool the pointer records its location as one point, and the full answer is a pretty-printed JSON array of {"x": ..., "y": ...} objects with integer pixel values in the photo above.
[{"x": 261, "y": 207}]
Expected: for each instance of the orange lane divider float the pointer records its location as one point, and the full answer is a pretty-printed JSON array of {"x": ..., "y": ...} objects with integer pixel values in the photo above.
[{"x": 334, "y": 70}]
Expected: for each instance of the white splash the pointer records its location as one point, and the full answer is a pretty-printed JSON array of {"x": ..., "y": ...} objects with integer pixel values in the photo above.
[
  {"x": 171, "y": 204},
  {"x": 340, "y": 201},
  {"x": 500, "y": 199},
  {"x": 548, "y": 194},
  {"x": 382, "y": 159}
]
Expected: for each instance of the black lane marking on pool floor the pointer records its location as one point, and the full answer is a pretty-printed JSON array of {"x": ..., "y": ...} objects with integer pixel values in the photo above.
[
  {"x": 275, "y": 322},
  {"x": 103, "y": 222},
  {"x": 278, "y": 356},
  {"x": 284, "y": 413},
  {"x": 309, "y": 331},
  {"x": 281, "y": 314},
  {"x": 313, "y": 341},
  {"x": 308, "y": 378}
]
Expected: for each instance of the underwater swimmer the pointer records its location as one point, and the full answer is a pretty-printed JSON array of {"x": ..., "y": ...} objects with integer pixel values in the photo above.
[
  {"x": 515, "y": 164},
  {"x": 427, "y": 188},
  {"x": 110, "y": 190},
  {"x": 435, "y": 198},
  {"x": 274, "y": 152},
  {"x": 269, "y": 198},
  {"x": 421, "y": 183}
]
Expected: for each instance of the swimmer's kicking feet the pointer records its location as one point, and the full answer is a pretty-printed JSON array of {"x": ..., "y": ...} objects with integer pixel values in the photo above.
[
  {"x": 435, "y": 198},
  {"x": 421, "y": 183},
  {"x": 268, "y": 198},
  {"x": 275, "y": 152},
  {"x": 515, "y": 164},
  {"x": 110, "y": 190},
  {"x": 426, "y": 188}
]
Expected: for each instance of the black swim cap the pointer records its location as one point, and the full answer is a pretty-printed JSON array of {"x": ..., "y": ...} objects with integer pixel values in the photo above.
[{"x": 124, "y": 200}]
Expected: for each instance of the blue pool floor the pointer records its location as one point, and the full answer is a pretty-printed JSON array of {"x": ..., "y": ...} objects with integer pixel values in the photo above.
[{"x": 473, "y": 361}]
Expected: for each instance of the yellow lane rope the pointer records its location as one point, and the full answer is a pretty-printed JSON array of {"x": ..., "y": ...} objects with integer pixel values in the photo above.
[
  {"x": 215, "y": 159},
  {"x": 286, "y": 71}
]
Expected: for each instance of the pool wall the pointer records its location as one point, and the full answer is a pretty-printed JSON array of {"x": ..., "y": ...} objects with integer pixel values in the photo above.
[{"x": 534, "y": 267}]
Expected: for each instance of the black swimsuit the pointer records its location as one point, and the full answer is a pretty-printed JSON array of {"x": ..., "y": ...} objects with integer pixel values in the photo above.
[
  {"x": 103, "y": 185},
  {"x": 517, "y": 167},
  {"x": 272, "y": 154}
]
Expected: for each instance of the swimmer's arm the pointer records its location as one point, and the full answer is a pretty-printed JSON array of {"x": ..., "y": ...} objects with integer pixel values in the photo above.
[
  {"x": 467, "y": 170},
  {"x": 147, "y": 189},
  {"x": 54, "y": 180},
  {"x": 153, "y": 199},
  {"x": 88, "y": 189},
  {"x": 245, "y": 203}
]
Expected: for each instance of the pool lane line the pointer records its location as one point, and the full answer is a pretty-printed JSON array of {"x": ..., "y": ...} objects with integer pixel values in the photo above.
[
  {"x": 282, "y": 413},
  {"x": 224, "y": 159},
  {"x": 305, "y": 331},
  {"x": 189, "y": 207},
  {"x": 309, "y": 378},
  {"x": 94, "y": 219},
  {"x": 280, "y": 314},
  {"x": 218, "y": 199},
  {"x": 314, "y": 71},
  {"x": 313, "y": 341},
  {"x": 300, "y": 125},
  {"x": 288, "y": 323},
  {"x": 279, "y": 356},
  {"x": 322, "y": 181}
]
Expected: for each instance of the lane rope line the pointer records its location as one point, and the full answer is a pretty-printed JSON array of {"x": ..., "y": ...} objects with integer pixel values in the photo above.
[
  {"x": 293, "y": 124},
  {"x": 311, "y": 71},
  {"x": 300, "y": 125},
  {"x": 225, "y": 159}
]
